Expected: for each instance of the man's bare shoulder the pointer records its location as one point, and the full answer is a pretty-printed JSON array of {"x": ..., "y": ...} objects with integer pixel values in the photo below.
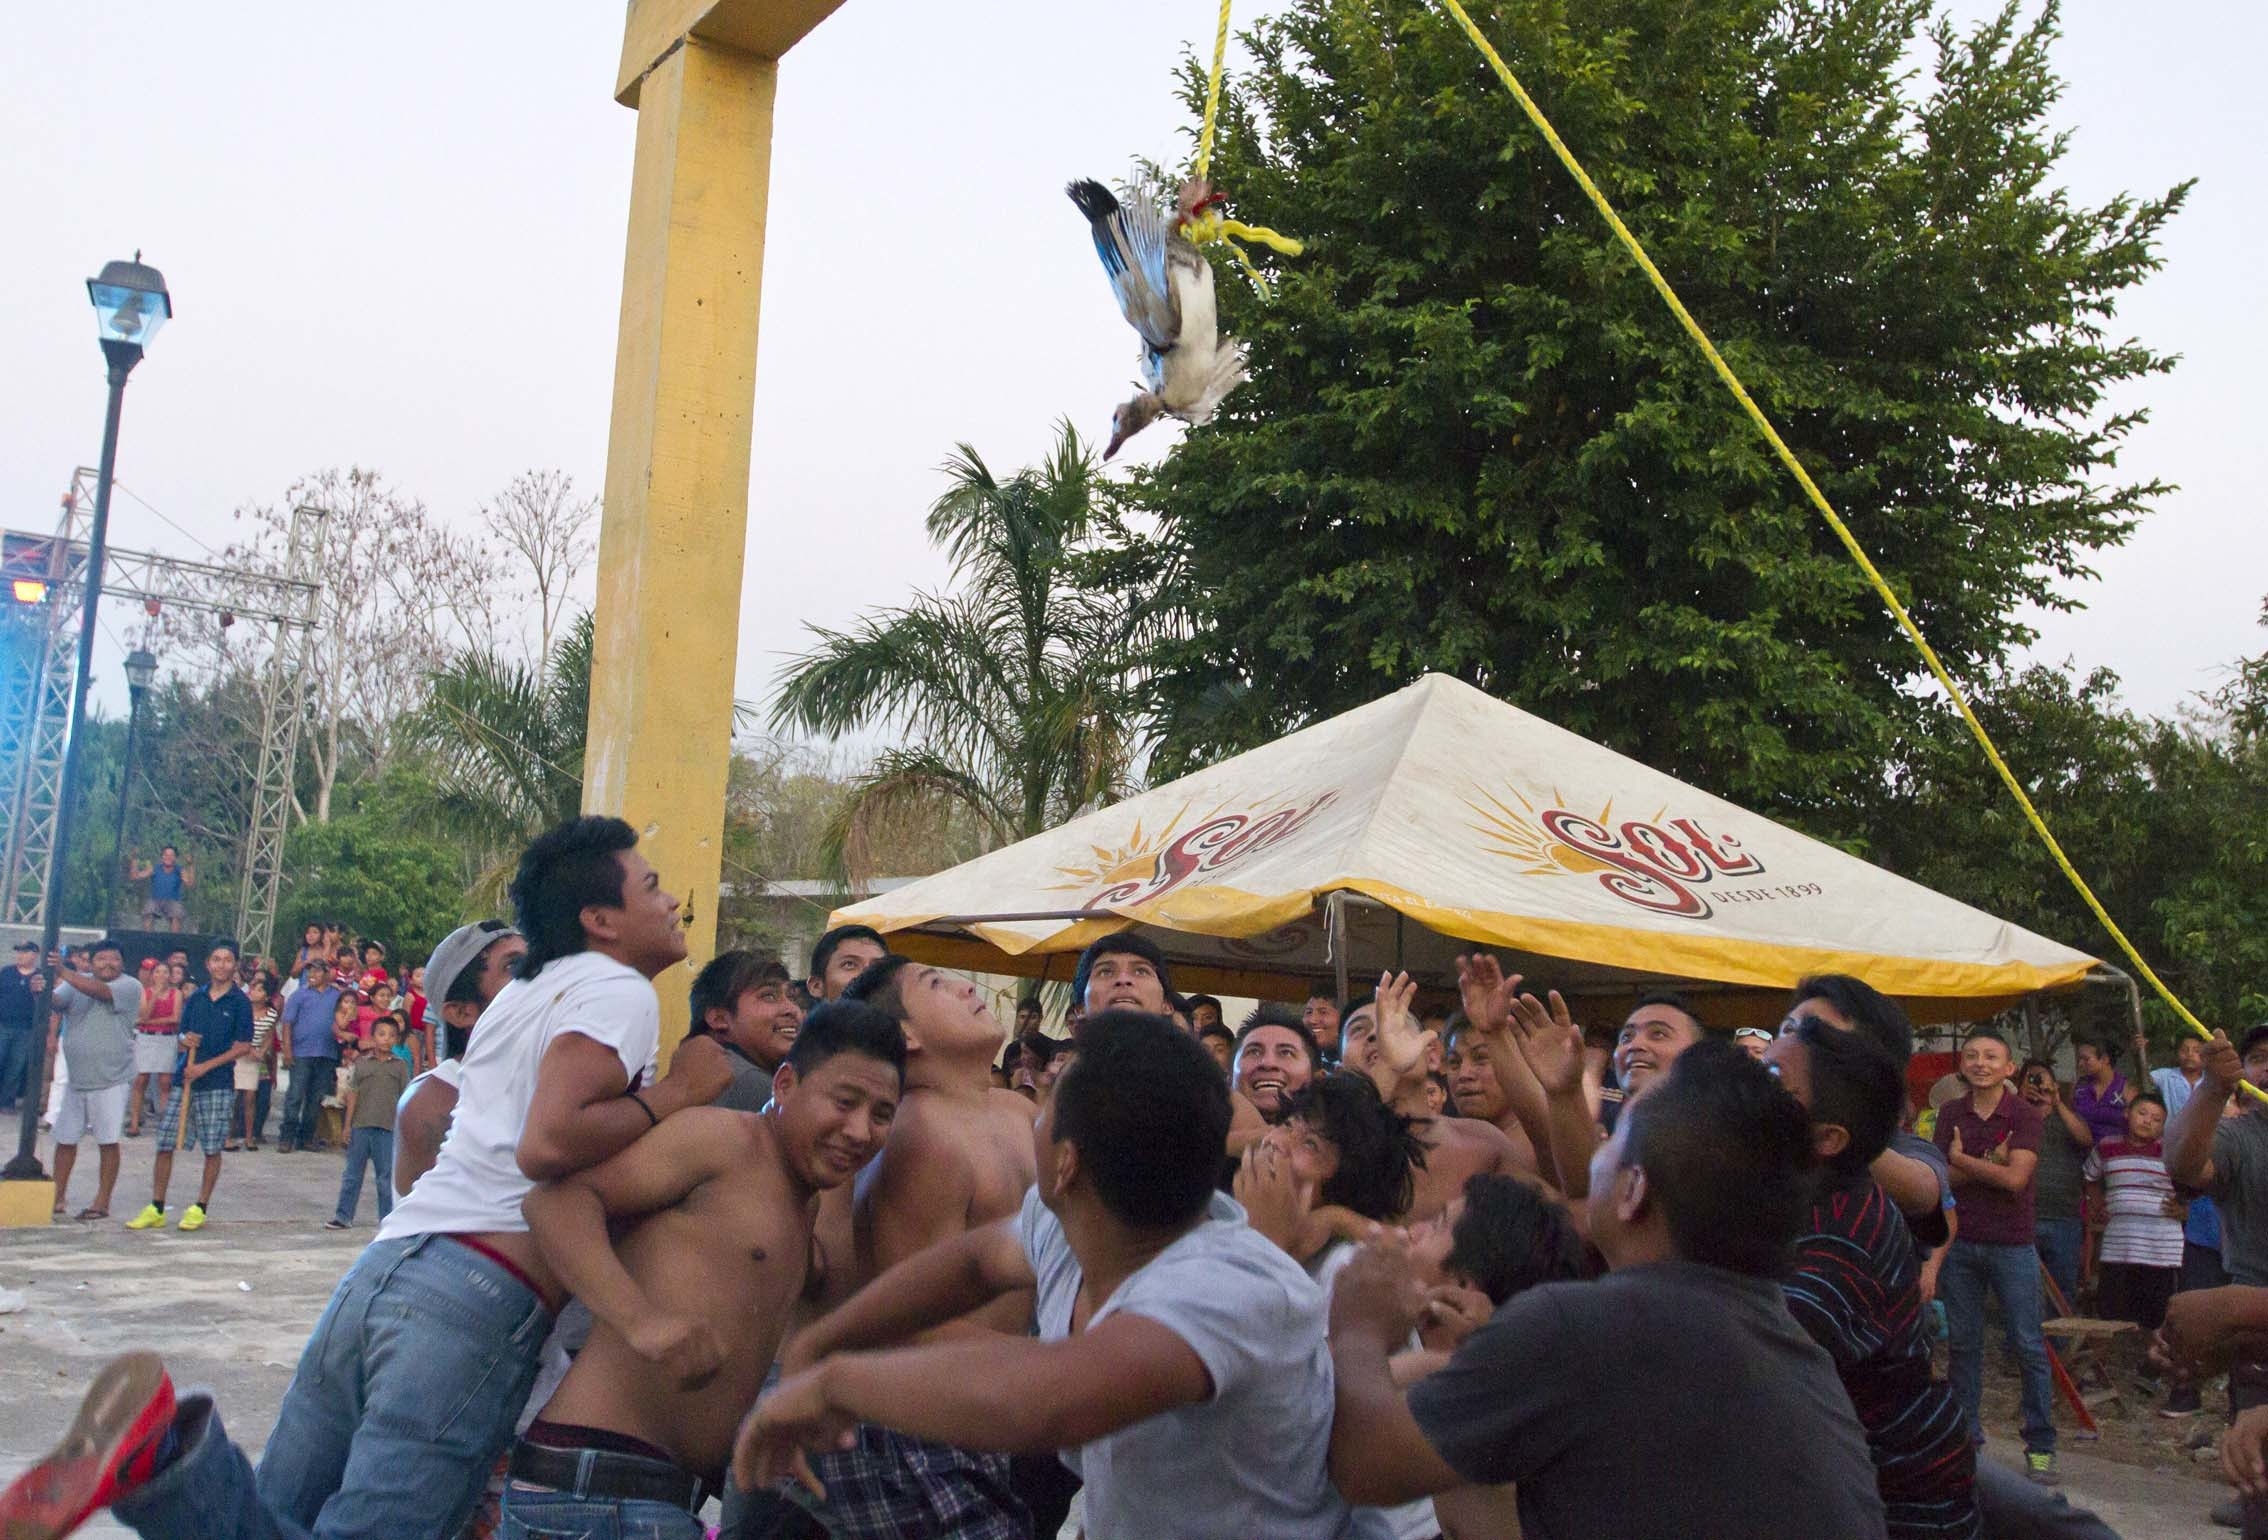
[{"x": 1472, "y": 1137}]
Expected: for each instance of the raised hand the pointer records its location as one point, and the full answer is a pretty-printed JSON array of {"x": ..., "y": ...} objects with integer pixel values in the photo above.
[
  {"x": 1276, "y": 1202},
  {"x": 1378, "y": 1295},
  {"x": 1550, "y": 1041},
  {"x": 1485, "y": 992},
  {"x": 1453, "y": 1312},
  {"x": 1401, "y": 1046}
]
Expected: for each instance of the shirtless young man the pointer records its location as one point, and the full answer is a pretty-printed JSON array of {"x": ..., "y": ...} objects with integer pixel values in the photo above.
[
  {"x": 691, "y": 1302},
  {"x": 958, "y": 1158},
  {"x": 1381, "y": 1039}
]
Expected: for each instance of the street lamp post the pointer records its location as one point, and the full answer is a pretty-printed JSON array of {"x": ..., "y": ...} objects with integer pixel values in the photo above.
[
  {"x": 141, "y": 669},
  {"x": 131, "y": 303}
]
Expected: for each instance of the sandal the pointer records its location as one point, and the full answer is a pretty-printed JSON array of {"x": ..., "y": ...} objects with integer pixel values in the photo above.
[
  {"x": 231, "y": 1148},
  {"x": 94, "y": 1213}
]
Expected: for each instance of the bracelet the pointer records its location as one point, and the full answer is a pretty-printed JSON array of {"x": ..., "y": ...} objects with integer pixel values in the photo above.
[{"x": 642, "y": 1107}]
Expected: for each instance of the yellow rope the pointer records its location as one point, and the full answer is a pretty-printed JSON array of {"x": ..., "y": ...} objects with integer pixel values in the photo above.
[
  {"x": 1211, "y": 228},
  {"x": 1826, "y": 510}
]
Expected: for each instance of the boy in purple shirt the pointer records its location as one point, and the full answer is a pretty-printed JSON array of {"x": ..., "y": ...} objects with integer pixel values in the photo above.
[{"x": 1991, "y": 1139}]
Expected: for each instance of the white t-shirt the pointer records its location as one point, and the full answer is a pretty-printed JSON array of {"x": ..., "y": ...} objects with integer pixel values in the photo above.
[
  {"x": 476, "y": 1186},
  {"x": 1406, "y": 1521},
  {"x": 1249, "y": 1464}
]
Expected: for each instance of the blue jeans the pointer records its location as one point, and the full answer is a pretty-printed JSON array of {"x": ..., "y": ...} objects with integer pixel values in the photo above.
[
  {"x": 367, "y": 1147},
  {"x": 403, "y": 1399},
  {"x": 545, "y": 1513},
  {"x": 15, "y": 1063},
  {"x": 2060, "y": 1244},
  {"x": 2012, "y": 1273},
  {"x": 311, "y": 1081}
]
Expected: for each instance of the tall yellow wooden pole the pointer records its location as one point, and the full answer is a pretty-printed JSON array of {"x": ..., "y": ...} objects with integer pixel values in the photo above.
[{"x": 701, "y": 76}]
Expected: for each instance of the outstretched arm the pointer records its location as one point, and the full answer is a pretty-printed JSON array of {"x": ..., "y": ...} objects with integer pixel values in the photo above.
[
  {"x": 2189, "y": 1143},
  {"x": 581, "y": 1112},
  {"x": 941, "y": 1283},
  {"x": 1379, "y": 1454},
  {"x": 1009, "y": 1394}
]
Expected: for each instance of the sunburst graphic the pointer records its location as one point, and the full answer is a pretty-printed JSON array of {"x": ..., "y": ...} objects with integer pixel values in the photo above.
[
  {"x": 1130, "y": 857},
  {"x": 1520, "y": 836}
]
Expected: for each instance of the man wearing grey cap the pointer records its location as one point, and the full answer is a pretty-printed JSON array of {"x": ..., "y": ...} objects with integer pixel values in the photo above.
[
  {"x": 464, "y": 973},
  {"x": 22, "y": 990}
]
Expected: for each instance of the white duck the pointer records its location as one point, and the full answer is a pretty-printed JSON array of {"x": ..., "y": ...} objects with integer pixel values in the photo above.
[{"x": 1165, "y": 290}]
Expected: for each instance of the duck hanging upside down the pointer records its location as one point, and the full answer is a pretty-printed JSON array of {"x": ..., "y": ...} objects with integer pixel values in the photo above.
[{"x": 1165, "y": 291}]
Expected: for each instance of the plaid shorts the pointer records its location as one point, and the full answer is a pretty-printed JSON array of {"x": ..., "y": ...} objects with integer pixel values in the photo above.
[
  {"x": 211, "y": 1105},
  {"x": 891, "y": 1487}
]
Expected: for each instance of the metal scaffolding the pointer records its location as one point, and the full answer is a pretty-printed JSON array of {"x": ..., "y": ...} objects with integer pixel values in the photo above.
[{"x": 36, "y": 681}]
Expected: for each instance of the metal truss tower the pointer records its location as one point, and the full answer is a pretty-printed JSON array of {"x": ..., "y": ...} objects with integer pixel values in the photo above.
[{"x": 36, "y": 679}]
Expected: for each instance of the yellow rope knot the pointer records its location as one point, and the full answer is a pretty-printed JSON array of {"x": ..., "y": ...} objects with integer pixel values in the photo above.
[{"x": 1212, "y": 228}]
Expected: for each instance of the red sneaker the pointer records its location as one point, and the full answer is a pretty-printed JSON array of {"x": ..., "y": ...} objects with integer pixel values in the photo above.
[{"x": 110, "y": 1450}]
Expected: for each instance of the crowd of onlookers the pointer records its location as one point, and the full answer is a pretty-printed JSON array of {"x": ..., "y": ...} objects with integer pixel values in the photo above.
[{"x": 866, "y": 1262}]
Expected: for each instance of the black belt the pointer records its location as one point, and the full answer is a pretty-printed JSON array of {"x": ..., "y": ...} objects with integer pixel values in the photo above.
[{"x": 604, "y": 1473}]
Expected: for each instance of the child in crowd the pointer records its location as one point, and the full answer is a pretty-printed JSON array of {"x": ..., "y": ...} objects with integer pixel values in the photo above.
[
  {"x": 256, "y": 1070},
  {"x": 1991, "y": 1140},
  {"x": 379, "y": 1080},
  {"x": 2142, "y": 1237},
  {"x": 346, "y": 1024}
]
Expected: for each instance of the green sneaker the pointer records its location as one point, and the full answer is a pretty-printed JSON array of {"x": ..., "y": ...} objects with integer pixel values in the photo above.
[
  {"x": 193, "y": 1217},
  {"x": 2039, "y": 1465},
  {"x": 150, "y": 1218}
]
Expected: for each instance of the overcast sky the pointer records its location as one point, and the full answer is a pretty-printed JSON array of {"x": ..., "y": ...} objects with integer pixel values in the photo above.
[{"x": 394, "y": 235}]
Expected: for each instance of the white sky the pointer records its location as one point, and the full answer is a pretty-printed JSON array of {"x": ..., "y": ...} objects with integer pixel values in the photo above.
[{"x": 394, "y": 235}]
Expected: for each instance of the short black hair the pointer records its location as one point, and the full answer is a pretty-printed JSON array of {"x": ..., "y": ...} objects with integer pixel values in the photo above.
[
  {"x": 1193, "y": 1001},
  {"x": 1511, "y": 1238},
  {"x": 225, "y": 944},
  {"x": 823, "y": 950},
  {"x": 1727, "y": 1155},
  {"x": 1270, "y": 1014},
  {"x": 1856, "y": 1085},
  {"x": 1675, "y": 1002},
  {"x": 1990, "y": 1034},
  {"x": 1867, "y": 1009},
  {"x": 2139, "y": 1097},
  {"x": 106, "y": 944},
  {"x": 567, "y": 869},
  {"x": 1029, "y": 1002},
  {"x": 1379, "y": 1152},
  {"x": 878, "y": 985},
  {"x": 846, "y": 1026},
  {"x": 1322, "y": 990},
  {"x": 1149, "y": 1111},
  {"x": 1120, "y": 943},
  {"x": 720, "y": 984},
  {"x": 2253, "y": 1038},
  {"x": 1215, "y": 1029}
]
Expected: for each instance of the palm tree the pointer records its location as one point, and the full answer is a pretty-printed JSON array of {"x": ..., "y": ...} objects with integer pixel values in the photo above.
[
  {"x": 1015, "y": 691},
  {"x": 503, "y": 744}
]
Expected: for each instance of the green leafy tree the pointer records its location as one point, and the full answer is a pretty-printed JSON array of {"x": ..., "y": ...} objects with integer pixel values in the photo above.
[
  {"x": 1475, "y": 442},
  {"x": 1014, "y": 691},
  {"x": 368, "y": 870},
  {"x": 502, "y": 746}
]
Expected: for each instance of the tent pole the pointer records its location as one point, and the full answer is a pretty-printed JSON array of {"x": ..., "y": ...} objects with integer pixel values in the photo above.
[{"x": 1335, "y": 919}]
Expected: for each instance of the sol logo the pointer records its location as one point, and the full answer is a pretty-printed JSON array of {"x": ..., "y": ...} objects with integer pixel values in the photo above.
[
  {"x": 1656, "y": 863},
  {"x": 1150, "y": 870}
]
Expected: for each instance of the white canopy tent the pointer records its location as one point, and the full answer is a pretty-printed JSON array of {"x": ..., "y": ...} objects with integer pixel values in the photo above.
[{"x": 1439, "y": 819}]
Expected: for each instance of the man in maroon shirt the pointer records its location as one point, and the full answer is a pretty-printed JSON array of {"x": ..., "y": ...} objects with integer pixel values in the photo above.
[{"x": 1991, "y": 1139}]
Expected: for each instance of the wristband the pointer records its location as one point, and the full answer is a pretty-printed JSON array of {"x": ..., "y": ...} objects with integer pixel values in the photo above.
[{"x": 651, "y": 1120}]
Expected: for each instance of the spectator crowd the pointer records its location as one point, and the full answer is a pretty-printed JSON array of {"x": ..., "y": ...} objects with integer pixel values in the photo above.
[{"x": 865, "y": 1262}]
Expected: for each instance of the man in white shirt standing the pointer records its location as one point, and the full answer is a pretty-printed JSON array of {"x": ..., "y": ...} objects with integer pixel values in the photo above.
[{"x": 410, "y": 1385}]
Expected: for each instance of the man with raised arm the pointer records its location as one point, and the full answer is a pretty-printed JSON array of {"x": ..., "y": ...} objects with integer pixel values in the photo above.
[
  {"x": 692, "y": 1298},
  {"x": 1383, "y": 1042},
  {"x": 1180, "y": 1364},
  {"x": 408, "y": 1389}
]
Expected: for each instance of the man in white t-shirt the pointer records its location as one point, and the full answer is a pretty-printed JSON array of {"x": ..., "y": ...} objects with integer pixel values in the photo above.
[
  {"x": 1181, "y": 1364},
  {"x": 410, "y": 1385}
]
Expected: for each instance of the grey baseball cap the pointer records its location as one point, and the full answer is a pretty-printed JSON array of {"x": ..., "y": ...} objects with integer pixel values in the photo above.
[{"x": 457, "y": 951}]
